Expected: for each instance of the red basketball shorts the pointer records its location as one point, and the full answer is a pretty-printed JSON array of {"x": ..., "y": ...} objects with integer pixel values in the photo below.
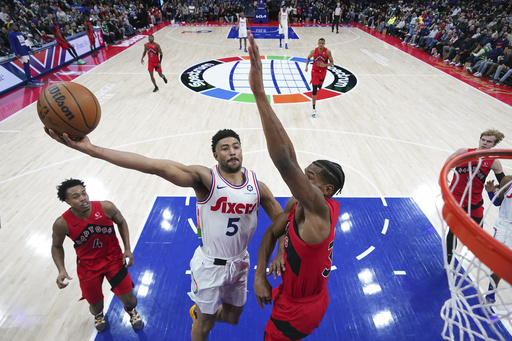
[
  {"x": 295, "y": 318},
  {"x": 318, "y": 77},
  {"x": 92, "y": 280},
  {"x": 153, "y": 67},
  {"x": 91, "y": 38},
  {"x": 64, "y": 45}
]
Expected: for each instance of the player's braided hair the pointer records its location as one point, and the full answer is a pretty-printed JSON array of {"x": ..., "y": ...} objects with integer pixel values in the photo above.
[
  {"x": 332, "y": 173},
  {"x": 67, "y": 184},
  {"x": 222, "y": 134}
]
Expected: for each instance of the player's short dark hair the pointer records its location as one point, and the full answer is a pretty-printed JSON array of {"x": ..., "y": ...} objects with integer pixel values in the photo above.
[
  {"x": 332, "y": 173},
  {"x": 222, "y": 134},
  {"x": 65, "y": 185},
  {"x": 322, "y": 39}
]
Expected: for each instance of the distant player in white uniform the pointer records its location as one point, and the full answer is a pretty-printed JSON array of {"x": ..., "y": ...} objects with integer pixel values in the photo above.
[
  {"x": 242, "y": 26},
  {"x": 283, "y": 26},
  {"x": 503, "y": 224},
  {"x": 228, "y": 198}
]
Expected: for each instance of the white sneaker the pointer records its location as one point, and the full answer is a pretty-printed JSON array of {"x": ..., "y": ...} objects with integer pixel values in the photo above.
[
  {"x": 452, "y": 63},
  {"x": 458, "y": 64},
  {"x": 478, "y": 74},
  {"x": 314, "y": 113}
]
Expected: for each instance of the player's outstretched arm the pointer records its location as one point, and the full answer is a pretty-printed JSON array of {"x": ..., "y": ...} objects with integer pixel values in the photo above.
[
  {"x": 197, "y": 177},
  {"x": 279, "y": 145}
]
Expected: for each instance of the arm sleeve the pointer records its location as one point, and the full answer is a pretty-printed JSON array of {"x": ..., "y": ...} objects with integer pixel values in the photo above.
[
  {"x": 500, "y": 176},
  {"x": 496, "y": 202}
]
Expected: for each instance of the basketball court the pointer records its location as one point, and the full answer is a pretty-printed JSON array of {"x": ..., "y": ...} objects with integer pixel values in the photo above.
[{"x": 388, "y": 115}]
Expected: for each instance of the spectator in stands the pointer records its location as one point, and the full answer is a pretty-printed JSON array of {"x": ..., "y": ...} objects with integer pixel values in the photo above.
[
  {"x": 109, "y": 37},
  {"x": 482, "y": 65},
  {"x": 47, "y": 38},
  {"x": 422, "y": 33},
  {"x": 463, "y": 51},
  {"x": 441, "y": 42},
  {"x": 505, "y": 67},
  {"x": 3, "y": 15},
  {"x": 450, "y": 47},
  {"x": 38, "y": 41},
  {"x": 423, "y": 41}
]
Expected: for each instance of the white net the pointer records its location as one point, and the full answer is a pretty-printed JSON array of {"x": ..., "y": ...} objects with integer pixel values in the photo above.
[{"x": 477, "y": 309}]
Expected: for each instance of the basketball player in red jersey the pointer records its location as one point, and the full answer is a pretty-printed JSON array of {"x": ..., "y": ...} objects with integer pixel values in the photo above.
[
  {"x": 92, "y": 38},
  {"x": 155, "y": 56},
  {"x": 488, "y": 139},
  {"x": 322, "y": 59},
  {"x": 63, "y": 42},
  {"x": 308, "y": 223},
  {"x": 90, "y": 225}
]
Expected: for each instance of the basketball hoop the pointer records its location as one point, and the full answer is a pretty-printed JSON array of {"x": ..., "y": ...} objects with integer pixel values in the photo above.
[{"x": 467, "y": 314}]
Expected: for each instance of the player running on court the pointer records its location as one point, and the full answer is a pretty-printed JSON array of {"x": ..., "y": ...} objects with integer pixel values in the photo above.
[
  {"x": 155, "y": 56},
  {"x": 322, "y": 59}
]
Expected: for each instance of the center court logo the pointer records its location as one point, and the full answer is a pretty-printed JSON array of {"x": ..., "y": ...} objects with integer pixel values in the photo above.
[{"x": 284, "y": 78}]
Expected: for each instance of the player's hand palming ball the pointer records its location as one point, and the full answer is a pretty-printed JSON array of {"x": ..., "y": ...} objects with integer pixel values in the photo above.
[{"x": 67, "y": 107}]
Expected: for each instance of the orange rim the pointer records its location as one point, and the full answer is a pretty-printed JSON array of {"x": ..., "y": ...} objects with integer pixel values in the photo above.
[{"x": 491, "y": 252}]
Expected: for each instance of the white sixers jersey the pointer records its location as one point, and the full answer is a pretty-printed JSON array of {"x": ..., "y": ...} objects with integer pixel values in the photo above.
[
  {"x": 284, "y": 18},
  {"x": 505, "y": 213},
  {"x": 243, "y": 23},
  {"x": 227, "y": 218}
]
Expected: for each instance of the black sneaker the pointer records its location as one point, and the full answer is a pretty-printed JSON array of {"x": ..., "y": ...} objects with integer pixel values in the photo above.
[
  {"x": 135, "y": 319},
  {"x": 155, "y": 89},
  {"x": 165, "y": 80},
  {"x": 99, "y": 322}
]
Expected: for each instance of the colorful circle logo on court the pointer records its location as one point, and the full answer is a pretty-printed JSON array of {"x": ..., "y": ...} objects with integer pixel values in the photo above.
[{"x": 285, "y": 79}]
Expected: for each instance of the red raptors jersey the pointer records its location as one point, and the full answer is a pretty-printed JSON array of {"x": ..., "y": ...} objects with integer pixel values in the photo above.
[
  {"x": 478, "y": 181},
  {"x": 308, "y": 266},
  {"x": 59, "y": 38},
  {"x": 95, "y": 239},
  {"x": 320, "y": 57},
  {"x": 90, "y": 32},
  {"x": 152, "y": 53}
]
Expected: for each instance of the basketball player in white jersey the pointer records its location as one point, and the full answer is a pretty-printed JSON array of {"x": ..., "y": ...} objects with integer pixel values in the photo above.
[
  {"x": 283, "y": 26},
  {"x": 503, "y": 225},
  {"x": 228, "y": 199},
  {"x": 242, "y": 26}
]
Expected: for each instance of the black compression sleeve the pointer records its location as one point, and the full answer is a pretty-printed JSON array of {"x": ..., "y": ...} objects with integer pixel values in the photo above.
[{"x": 500, "y": 176}]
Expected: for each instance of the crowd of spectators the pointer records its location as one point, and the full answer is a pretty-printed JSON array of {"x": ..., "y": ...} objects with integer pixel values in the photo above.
[
  {"x": 475, "y": 35},
  {"x": 461, "y": 33}
]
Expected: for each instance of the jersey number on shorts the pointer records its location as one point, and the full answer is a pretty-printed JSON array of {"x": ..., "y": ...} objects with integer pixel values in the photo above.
[
  {"x": 233, "y": 226},
  {"x": 97, "y": 244},
  {"x": 326, "y": 271}
]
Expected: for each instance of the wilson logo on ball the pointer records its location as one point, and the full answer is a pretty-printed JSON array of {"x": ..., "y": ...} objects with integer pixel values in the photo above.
[
  {"x": 60, "y": 99},
  {"x": 67, "y": 107}
]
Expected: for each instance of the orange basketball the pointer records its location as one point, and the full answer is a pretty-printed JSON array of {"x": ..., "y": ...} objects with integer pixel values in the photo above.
[{"x": 67, "y": 107}]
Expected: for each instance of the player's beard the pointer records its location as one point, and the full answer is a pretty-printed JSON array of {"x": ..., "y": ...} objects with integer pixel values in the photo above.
[{"x": 229, "y": 169}]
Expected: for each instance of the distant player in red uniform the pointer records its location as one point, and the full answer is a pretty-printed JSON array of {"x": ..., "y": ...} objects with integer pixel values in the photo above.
[
  {"x": 308, "y": 224},
  {"x": 92, "y": 38},
  {"x": 63, "y": 42},
  {"x": 90, "y": 225},
  {"x": 155, "y": 56},
  {"x": 488, "y": 139},
  {"x": 322, "y": 59}
]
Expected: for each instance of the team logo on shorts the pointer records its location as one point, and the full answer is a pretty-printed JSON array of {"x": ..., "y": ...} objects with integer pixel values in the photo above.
[{"x": 285, "y": 79}]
